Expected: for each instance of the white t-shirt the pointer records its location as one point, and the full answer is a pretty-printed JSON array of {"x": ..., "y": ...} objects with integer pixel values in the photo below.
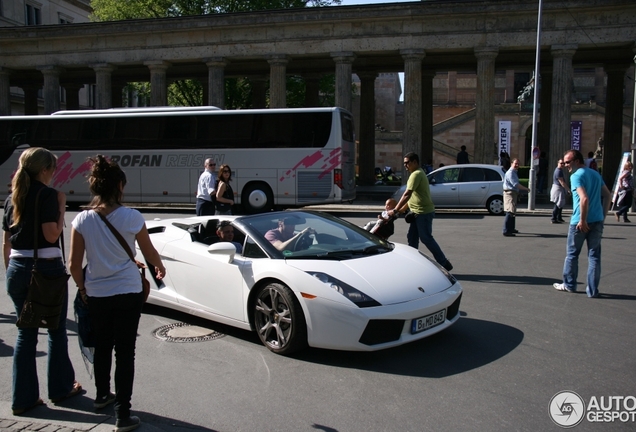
[
  {"x": 206, "y": 186},
  {"x": 110, "y": 270}
]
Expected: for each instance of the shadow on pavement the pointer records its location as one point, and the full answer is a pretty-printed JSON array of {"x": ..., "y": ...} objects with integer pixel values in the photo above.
[{"x": 469, "y": 344}]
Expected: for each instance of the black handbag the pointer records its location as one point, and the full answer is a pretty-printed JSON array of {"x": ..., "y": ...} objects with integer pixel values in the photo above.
[
  {"x": 410, "y": 217},
  {"x": 46, "y": 295}
]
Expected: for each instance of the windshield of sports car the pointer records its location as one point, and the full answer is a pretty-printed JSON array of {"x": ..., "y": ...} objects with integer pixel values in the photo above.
[{"x": 312, "y": 235}]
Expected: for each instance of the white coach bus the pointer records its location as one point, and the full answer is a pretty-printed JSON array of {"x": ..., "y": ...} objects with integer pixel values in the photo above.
[{"x": 278, "y": 157}]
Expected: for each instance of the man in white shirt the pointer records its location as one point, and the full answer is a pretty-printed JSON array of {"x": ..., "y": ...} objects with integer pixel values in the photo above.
[{"x": 206, "y": 190}]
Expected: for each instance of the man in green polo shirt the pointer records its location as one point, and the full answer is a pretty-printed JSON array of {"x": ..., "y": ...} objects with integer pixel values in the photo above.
[{"x": 418, "y": 197}]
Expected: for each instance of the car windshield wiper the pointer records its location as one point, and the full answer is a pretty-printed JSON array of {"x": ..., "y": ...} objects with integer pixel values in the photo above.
[{"x": 374, "y": 249}]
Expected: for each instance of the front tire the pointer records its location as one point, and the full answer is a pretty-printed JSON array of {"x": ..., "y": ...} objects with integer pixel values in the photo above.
[
  {"x": 495, "y": 205},
  {"x": 279, "y": 319}
]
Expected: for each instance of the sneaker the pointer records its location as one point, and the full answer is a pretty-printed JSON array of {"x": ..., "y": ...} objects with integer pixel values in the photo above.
[
  {"x": 561, "y": 220},
  {"x": 104, "y": 401},
  {"x": 555, "y": 221},
  {"x": 447, "y": 265},
  {"x": 562, "y": 287},
  {"x": 515, "y": 231},
  {"x": 627, "y": 220},
  {"x": 509, "y": 234},
  {"x": 127, "y": 424}
]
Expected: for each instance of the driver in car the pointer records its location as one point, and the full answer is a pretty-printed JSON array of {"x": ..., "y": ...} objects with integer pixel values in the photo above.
[
  {"x": 225, "y": 231},
  {"x": 282, "y": 238}
]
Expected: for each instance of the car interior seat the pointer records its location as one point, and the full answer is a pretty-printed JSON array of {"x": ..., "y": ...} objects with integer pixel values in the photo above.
[{"x": 207, "y": 232}]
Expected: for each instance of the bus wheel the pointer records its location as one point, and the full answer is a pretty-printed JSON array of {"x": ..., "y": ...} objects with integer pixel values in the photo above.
[{"x": 257, "y": 198}]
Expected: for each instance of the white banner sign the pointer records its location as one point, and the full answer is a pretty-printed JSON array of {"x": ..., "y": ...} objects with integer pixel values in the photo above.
[{"x": 504, "y": 136}]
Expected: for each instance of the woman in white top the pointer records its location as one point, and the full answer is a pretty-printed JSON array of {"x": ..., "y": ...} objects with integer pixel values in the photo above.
[{"x": 111, "y": 284}]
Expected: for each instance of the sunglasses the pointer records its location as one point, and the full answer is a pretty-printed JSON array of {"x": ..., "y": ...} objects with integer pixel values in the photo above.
[{"x": 567, "y": 162}]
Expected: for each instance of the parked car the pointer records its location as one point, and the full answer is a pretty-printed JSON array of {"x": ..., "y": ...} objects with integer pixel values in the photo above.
[
  {"x": 337, "y": 287},
  {"x": 466, "y": 186}
]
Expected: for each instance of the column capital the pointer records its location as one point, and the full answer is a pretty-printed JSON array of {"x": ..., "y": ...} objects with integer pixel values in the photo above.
[
  {"x": 102, "y": 67},
  {"x": 562, "y": 51},
  {"x": 50, "y": 69},
  {"x": 367, "y": 75},
  {"x": 343, "y": 56},
  {"x": 413, "y": 54},
  {"x": 486, "y": 52},
  {"x": 157, "y": 65},
  {"x": 216, "y": 61},
  {"x": 277, "y": 59}
]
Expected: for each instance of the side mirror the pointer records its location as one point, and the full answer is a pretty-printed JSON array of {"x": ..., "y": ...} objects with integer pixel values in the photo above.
[{"x": 224, "y": 251}]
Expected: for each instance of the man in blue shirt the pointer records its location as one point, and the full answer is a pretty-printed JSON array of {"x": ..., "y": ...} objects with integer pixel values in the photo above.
[
  {"x": 591, "y": 201},
  {"x": 511, "y": 187}
]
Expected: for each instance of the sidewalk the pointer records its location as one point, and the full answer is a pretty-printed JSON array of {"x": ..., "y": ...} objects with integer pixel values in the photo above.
[{"x": 63, "y": 418}]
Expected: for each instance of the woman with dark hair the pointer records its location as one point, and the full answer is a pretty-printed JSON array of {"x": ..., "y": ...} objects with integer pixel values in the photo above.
[
  {"x": 34, "y": 174},
  {"x": 111, "y": 284},
  {"x": 224, "y": 192}
]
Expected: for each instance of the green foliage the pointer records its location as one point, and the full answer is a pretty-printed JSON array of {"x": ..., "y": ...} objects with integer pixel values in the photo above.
[{"x": 116, "y": 10}]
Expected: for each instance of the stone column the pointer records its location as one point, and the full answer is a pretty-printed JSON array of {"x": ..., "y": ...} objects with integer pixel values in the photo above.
[
  {"x": 51, "y": 88},
  {"x": 312, "y": 90},
  {"x": 599, "y": 85},
  {"x": 5, "y": 92},
  {"x": 31, "y": 99},
  {"x": 511, "y": 97},
  {"x": 412, "y": 135},
  {"x": 366, "y": 149},
  {"x": 613, "y": 130},
  {"x": 427, "y": 116},
  {"x": 72, "y": 95},
  {"x": 344, "y": 70},
  {"x": 545, "y": 116},
  {"x": 452, "y": 88},
  {"x": 485, "y": 105},
  {"x": 562, "y": 75},
  {"x": 103, "y": 90},
  {"x": 216, "y": 82},
  {"x": 629, "y": 85},
  {"x": 278, "y": 80},
  {"x": 259, "y": 92},
  {"x": 158, "y": 82},
  {"x": 117, "y": 94}
]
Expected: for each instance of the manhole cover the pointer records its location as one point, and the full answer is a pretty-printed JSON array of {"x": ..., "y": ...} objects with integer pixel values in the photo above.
[{"x": 182, "y": 333}]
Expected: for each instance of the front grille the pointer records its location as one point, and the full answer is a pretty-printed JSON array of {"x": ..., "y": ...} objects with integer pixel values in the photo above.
[
  {"x": 382, "y": 331},
  {"x": 453, "y": 309}
]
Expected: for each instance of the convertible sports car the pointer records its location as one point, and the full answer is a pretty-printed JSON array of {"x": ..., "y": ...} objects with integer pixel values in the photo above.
[{"x": 332, "y": 285}]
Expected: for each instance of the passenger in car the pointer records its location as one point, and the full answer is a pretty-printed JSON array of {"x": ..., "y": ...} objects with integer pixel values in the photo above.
[{"x": 225, "y": 231}]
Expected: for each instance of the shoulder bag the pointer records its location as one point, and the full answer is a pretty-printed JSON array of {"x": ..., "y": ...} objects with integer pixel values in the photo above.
[
  {"x": 145, "y": 284},
  {"x": 47, "y": 294}
]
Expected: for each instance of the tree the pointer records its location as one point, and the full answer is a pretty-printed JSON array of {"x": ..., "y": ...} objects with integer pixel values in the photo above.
[{"x": 190, "y": 92}]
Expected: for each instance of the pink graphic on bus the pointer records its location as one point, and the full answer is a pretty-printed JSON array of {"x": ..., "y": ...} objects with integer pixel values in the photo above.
[
  {"x": 317, "y": 160},
  {"x": 66, "y": 171}
]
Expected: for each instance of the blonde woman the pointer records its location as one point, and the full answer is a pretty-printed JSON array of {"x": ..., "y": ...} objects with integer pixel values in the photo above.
[{"x": 34, "y": 174}]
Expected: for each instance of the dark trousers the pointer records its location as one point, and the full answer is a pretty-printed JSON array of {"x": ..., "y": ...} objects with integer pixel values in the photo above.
[
  {"x": 114, "y": 321},
  {"x": 205, "y": 208},
  {"x": 557, "y": 213}
]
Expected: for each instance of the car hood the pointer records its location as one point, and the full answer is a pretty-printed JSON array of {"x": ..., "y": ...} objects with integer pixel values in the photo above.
[{"x": 390, "y": 278}]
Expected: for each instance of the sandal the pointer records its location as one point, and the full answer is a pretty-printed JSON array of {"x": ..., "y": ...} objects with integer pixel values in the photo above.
[
  {"x": 21, "y": 411},
  {"x": 77, "y": 389}
]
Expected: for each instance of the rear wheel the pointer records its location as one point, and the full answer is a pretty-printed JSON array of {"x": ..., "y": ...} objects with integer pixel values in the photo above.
[
  {"x": 279, "y": 319},
  {"x": 495, "y": 205},
  {"x": 257, "y": 197}
]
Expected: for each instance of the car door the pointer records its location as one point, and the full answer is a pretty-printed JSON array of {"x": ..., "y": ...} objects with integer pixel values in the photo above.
[
  {"x": 206, "y": 281},
  {"x": 473, "y": 188},
  {"x": 444, "y": 186}
]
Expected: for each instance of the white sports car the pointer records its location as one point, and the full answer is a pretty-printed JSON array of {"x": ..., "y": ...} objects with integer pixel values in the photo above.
[{"x": 331, "y": 285}]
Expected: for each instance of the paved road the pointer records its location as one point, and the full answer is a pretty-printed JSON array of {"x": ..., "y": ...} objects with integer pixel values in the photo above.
[{"x": 518, "y": 343}]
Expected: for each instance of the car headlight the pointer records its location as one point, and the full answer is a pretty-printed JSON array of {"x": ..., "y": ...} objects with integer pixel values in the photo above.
[
  {"x": 449, "y": 276},
  {"x": 358, "y": 297}
]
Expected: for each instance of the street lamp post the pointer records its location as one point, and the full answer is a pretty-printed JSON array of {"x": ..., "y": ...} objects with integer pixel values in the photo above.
[{"x": 537, "y": 61}]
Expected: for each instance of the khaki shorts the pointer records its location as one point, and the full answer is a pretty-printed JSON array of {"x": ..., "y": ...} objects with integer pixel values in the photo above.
[{"x": 510, "y": 201}]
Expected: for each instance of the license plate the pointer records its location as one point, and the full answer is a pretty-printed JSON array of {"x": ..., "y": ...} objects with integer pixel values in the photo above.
[{"x": 427, "y": 322}]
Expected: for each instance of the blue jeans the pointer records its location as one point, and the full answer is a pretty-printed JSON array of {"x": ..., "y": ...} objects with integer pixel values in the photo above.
[
  {"x": 61, "y": 375},
  {"x": 575, "y": 242},
  {"x": 114, "y": 322},
  {"x": 422, "y": 229}
]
